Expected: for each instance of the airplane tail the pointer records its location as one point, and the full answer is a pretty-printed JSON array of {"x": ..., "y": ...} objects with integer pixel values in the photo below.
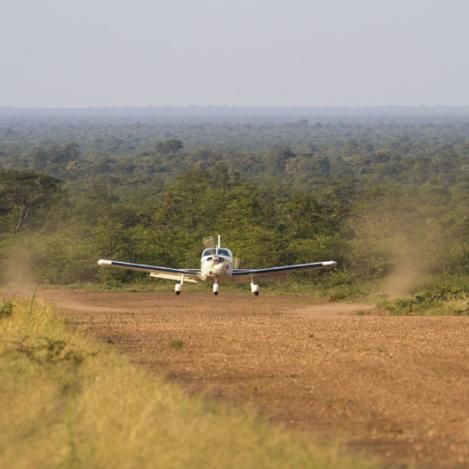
[{"x": 209, "y": 242}]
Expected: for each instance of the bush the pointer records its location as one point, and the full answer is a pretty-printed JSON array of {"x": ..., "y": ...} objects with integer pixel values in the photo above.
[
  {"x": 426, "y": 300},
  {"x": 6, "y": 310}
]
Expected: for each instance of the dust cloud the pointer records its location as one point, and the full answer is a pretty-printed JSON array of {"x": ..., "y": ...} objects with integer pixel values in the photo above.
[
  {"x": 16, "y": 275},
  {"x": 404, "y": 275},
  {"x": 399, "y": 239}
]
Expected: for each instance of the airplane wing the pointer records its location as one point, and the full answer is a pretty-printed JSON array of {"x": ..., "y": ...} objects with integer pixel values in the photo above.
[
  {"x": 282, "y": 270},
  {"x": 168, "y": 273}
]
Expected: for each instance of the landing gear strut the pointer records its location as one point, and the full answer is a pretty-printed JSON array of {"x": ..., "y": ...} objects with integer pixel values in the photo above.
[
  {"x": 216, "y": 288},
  {"x": 254, "y": 289}
]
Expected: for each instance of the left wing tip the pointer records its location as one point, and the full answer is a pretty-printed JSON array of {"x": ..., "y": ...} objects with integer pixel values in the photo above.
[
  {"x": 330, "y": 264},
  {"x": 104, "y": 262}
]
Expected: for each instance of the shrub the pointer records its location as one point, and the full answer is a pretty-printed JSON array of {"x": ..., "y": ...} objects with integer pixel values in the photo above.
[
  {"x": 6, "y": 310},
  {"x": 426, "y": 300}
]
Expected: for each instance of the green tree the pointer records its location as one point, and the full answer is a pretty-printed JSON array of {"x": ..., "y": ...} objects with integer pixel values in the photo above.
[
  {"x": 23, "y": 192},
  {"x": 168, "y": 147}
]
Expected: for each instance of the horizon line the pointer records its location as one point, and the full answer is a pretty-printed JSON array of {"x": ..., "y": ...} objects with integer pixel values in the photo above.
[{"x": 230, "y": 106}]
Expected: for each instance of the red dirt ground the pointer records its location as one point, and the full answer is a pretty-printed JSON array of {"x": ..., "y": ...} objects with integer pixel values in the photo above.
[{"x": 397, "y": 387}]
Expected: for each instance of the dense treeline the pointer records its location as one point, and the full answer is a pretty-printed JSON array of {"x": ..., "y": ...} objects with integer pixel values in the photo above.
[
  {"x": 374, "y": 196},
  {"x": 306, "y": 153}
]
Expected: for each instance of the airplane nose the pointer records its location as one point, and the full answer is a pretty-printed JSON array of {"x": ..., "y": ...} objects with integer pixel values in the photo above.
[{"x": 218, "y": 267}]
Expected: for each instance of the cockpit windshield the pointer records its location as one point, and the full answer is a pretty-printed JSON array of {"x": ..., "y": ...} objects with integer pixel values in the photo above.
[{"x": 220, "y": 251}]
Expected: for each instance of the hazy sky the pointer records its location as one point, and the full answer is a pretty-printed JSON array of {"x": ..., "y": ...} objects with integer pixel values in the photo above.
[{"x": 78, "y": 53}]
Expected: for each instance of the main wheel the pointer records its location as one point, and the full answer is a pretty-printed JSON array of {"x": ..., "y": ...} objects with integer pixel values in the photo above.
[
  {"x": 178, "y": 293},
  {"x": 256, "y": 293}
]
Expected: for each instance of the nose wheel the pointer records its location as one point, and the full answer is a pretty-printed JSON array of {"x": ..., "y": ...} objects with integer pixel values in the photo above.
[
  {"x": 254, "y": 289},
  {"x": 216, "y": 288}
]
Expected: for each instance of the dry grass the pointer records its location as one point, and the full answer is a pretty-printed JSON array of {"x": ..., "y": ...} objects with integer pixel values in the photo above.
[{"x": 67, "y": 401}]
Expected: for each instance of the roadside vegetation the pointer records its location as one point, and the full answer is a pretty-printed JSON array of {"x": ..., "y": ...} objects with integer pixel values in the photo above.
[
  {"x": 450, "y": 300},
  {"x": 70, "y": 401}
]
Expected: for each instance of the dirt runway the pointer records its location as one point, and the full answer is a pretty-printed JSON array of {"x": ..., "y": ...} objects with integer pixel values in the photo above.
[{"x": 397, "y": 387}]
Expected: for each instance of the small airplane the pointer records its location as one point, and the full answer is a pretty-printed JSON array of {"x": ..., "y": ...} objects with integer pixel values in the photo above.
[{"x": 217, "y": 265}]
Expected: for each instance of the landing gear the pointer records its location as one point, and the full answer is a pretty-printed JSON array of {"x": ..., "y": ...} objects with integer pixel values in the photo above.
[
  {"x": 216, "y": 288},
  {"x": 178, "y": 288},
  {"x": 254, "y": 289}
]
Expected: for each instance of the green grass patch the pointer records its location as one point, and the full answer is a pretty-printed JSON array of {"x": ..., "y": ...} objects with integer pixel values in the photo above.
[
  {"x": 70, "y": 401},
  {"x": 444, "y": 300},
  {"x": 176, "y": 344}
]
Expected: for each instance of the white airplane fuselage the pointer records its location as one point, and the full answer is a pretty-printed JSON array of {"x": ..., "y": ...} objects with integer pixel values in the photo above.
[{"x": 216, "y": 263}]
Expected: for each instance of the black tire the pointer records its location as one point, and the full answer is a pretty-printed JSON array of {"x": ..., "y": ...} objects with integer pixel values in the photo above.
[
  {"x": 256, "y": 293},
  {"x": 178, "y": 293}
]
